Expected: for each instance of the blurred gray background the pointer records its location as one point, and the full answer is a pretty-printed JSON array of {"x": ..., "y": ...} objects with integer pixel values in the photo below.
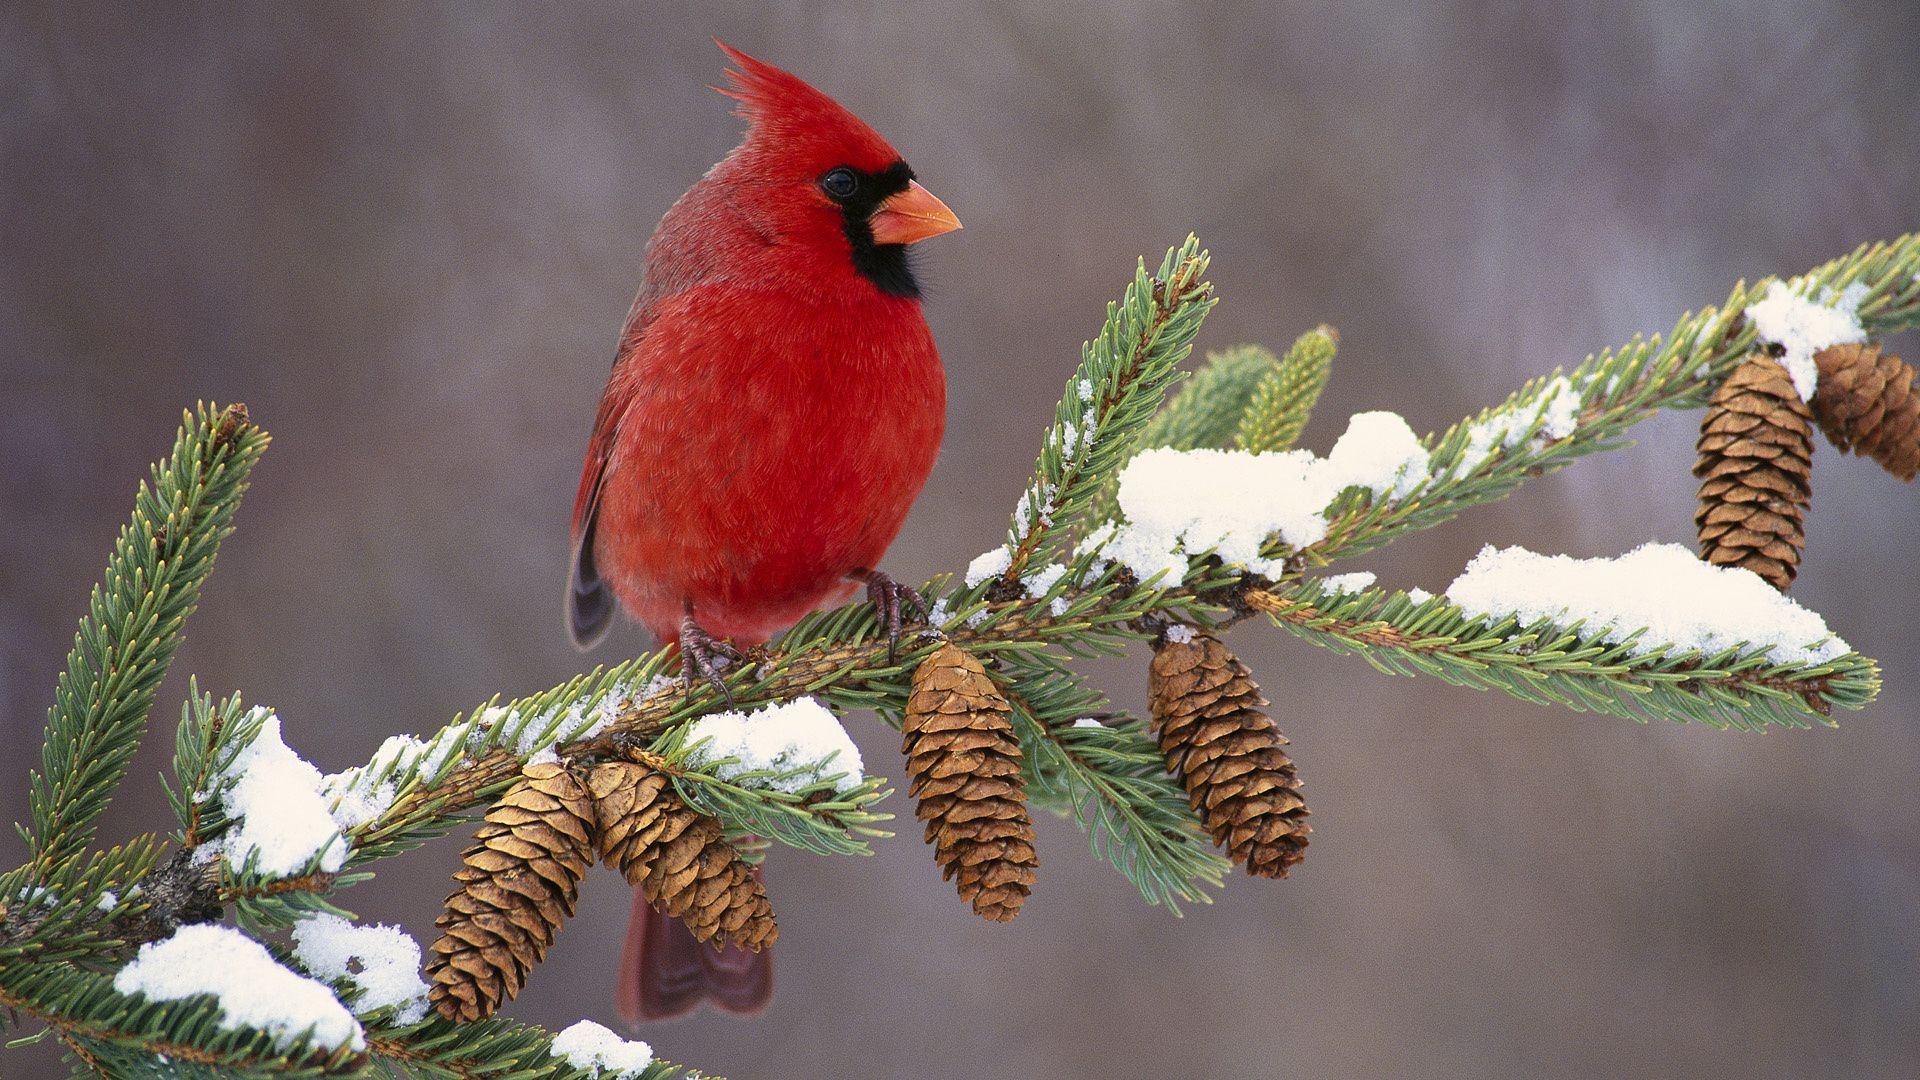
[{"x": 405, "y": 236}]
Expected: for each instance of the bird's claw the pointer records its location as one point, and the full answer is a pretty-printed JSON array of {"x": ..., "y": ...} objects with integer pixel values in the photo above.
[
  {"x": 702, "y": 655},
  {"x": 889, "y": 598}
]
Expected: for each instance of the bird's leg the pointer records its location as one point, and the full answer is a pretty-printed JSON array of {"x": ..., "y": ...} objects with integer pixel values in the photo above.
[
  {"x": 701, "y": 654},
  {"x": 889, "y": 596}
]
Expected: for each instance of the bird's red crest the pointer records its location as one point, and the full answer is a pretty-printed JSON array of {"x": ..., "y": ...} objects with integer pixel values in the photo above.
[{"x": 811, "y": 129}]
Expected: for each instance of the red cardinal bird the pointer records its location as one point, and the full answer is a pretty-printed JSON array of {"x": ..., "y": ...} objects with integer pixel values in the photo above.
[{"x": 775, "y": 407}]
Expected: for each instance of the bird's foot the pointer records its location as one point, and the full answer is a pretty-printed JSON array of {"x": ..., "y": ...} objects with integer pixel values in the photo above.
[
  {"x": 701, "y": 655},
  {"x": 890, "y": 598}
]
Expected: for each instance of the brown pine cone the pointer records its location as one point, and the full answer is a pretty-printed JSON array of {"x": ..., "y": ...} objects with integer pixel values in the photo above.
[
  {"x": 517, "y": 886},
  {"x": 1227, "y": 753},
  {"x": 678, "y": 857},
  {"x": 1866, "y": 403},
  {"x": 964, "y": 759},
  {"x": 1756, "y": 457}
]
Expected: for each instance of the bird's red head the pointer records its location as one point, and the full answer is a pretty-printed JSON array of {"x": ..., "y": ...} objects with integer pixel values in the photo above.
[{"x": 826, "y": 178}]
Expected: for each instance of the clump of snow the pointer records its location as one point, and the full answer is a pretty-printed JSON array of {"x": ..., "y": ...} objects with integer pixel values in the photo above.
[
  {"x": 1555, "y": 408},
  {"x": 1088, "y": 721},
  {"x": 1559, "y": 409},
  {"x": 108, "y": 901},
  {"x": 1180, "y": 503},
  {"x": 382, "y": 961},
  {"x": 1092, "y": 544},
  {"x": 791, "y": 735},
  {"x": 595, "y": 1048},
  {"x": 364, "y": 792},
  {"x": 939, "y": 614},
  {"x": 1086, "y": 390},
  {"x": 582, "y": 719},
  {"x": 988, "y": 564},
  {"x": 1379, "y": 452},
  {"x": 1041, "y": 581},
  {"x": 1419, "y": 595},
  {"x": 1179, "y": 633},
  {"x": 1786, "y": 317},
  {"x": 1035, "y": 505},
  {"x": 253, "y": 990},
  {"x": 1358, "y": 581},
  {"x": 1663, "y": 588},
  {"x": 280, "y": 818}
]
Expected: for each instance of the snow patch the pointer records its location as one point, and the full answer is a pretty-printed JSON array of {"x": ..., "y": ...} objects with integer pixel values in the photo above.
[
  {"x": 1358, "y": 581},
  {"x": 1555, "y": 409},
  {"x": 1379, "y": 452},
  {"x": 387, "y": 959},
  {"x": 1786, "y": 317},
  {"x": 595, "y": 1048},
  {"x": 253, "y": 990},
  {"x": 800, "y": 734},
  {"x": 988, "y": 564},
  {"x": 280, "y": 818},
  {"x": 1663, "y": 588}
]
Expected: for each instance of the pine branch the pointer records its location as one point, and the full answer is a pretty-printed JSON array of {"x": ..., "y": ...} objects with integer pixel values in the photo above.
[
  {"x": 64, "y": 919},
  {"x": 1207, "y": 409},
  {"x": 816, "y": 817},
  {"x": 1109, "y": 400},
  {"x": 1111, "y": 778},
  {"x": 1571, "y": 666},
  {"x": 126, "y": 642},
  {"x": 491, "y": 1049},
  {"x": 125, "y": 1033},
  {"x": 1616, "y": 390}
]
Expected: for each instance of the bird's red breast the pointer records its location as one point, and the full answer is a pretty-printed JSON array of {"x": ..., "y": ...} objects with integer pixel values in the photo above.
[{"x": 777, "y": 400}]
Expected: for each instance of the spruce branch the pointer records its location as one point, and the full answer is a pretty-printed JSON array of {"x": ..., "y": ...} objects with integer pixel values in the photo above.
[
  {"x": 1488, "y": 457},
  {"x": 67, "y": 918},
  {"x": 133, "y": 625},
  {"x": 1109, "y": 777},
  {"x": 1570, "y": 665},
  {"x": 1208, "y": 407},
  {"x": 1124, "y": 372}
]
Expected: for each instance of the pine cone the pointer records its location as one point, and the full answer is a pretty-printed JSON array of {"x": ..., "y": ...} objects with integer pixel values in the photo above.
[
  {"x": 517, "y": 886},
  {"x": 965, "y": 762},
  {"x": 1756, "y": 453},
  {"x": 1866, "y": 403},
  {"x": 678, "y": 857},
  {"x": 1206, "y": 710}
]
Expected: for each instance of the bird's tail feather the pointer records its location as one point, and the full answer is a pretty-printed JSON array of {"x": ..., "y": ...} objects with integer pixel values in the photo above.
[{"x": 665, "y": 973}]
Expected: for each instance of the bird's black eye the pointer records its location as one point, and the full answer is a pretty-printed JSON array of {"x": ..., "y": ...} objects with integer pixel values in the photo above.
[{"x": 840, "y": 183}]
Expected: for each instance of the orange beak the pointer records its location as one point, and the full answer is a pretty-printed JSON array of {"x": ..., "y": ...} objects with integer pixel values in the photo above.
[{"x": 914, "y": 214}]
